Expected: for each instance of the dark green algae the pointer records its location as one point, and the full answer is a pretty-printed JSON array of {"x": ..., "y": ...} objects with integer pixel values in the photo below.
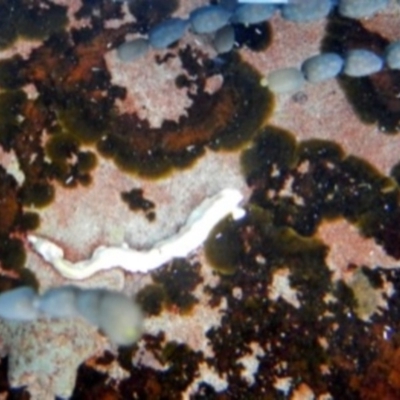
[
  {"x": 74, "y": 118},
  {"x": 26, "y": 19},
  {"x": 331, "y": 185},
  {"x": 75, "y": 106},
  {"x": 278, "y": 234},
  {"x": 225, "y": 120},
  {"x": 172, "y": 288}
]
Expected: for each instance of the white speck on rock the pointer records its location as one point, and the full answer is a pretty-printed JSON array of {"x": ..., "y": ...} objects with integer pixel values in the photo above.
[
  {"x": 280, "y": 288},
  {"x": 251, "y": 362},
  {"x": 283, "y": 384}
]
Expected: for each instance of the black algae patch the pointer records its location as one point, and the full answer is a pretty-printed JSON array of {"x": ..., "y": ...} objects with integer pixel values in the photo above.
[
  {"x": 13, "y": 221},
  {"x": 295, "y": 186},
  {"x": 152, "y": 299},
  {"x": 178, "y": 280},
  {"x": 136, "y": 201},
  {"x": 374, "y": 98},
  {"x": 257, "y": 37},
  {"x": 29, "y": 221},
  {"x": 11, "y": 105},
  {"x": 254, "y": 104},
  {"x": 289, "y": 333},
  {"x": 12, "y": 253},
  {"x": 183, "y": 365},
  {"x": 181, "y": 368},
  {"x": 173, "y": 288},
  {"x": 37, "y": 194},
  {"x": 378, "y": 376},
  {"x": 15, "y": 394},
  {"x": 92, "y": 384},
  {"x": 316, "y": 331},
  {"x": 84, "y": 120},
  {"x": 150, "y": 12},
  {"x": 73, "y": 106},
  {"x": 10, "y": 209},
  {"x": 11, "y": 76},
  {"x": 300, "y": 184},
  {"x": 69, "y": 165}
]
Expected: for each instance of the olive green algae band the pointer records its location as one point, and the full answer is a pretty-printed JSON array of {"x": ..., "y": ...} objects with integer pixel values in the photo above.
[{"x": 198, "y": 226}]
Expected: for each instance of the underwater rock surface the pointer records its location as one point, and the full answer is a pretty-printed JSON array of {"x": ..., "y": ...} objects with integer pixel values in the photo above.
[{"x": 99, "y": 150}]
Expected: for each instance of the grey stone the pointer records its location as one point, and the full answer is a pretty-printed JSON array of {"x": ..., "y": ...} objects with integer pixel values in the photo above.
[
  {"x": 392, "y": 55},
  {"x": 167, "y": 32},
  {"x": 322, "y": 67},
  {"x": 253, "y": 13},
  {"x": 307, "y": 11},
  {"x": 360, "y": 62},
  {"x": 209, "y": 19},
  {"x": 224, "y": 39},
  {"x": 285, "y": 80},
  {"x": 361, "y": 8}
]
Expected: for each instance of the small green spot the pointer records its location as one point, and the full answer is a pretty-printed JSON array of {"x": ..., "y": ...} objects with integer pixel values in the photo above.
[
  {"x": 224, "y": 247},
  {"x": 151, "y": 298},
  {"x": 11, "y": 103}
]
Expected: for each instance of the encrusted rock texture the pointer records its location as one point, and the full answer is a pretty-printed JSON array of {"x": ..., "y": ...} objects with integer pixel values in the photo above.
[{"x": 299, "y": 299}]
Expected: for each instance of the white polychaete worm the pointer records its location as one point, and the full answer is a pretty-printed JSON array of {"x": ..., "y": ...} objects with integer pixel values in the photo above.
[{"x": 198, "y": 226}]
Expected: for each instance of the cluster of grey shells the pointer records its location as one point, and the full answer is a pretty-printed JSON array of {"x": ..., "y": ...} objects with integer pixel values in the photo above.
[
  {"x": 219, "y": 21},
  {"x": 356, "y": 63}
]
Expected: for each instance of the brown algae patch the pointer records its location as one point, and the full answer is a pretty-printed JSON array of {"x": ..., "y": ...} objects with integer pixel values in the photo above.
[{"x": 225, "y": 119}]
